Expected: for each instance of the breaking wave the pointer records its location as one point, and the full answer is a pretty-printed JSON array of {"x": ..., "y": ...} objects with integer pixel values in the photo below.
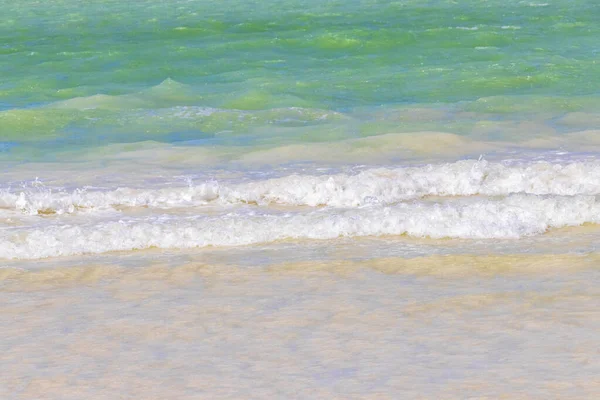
[
  {"x": 469, "y": 218},
  {"x": 383, "y": 186}
]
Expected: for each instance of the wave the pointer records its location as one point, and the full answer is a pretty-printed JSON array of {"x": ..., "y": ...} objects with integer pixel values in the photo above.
[
  {"x": 162, "y": 112},
  {"x": 43, "y": 200},
  {"x": 383, "y": 186},
  {"x": 511, "y": 217}
]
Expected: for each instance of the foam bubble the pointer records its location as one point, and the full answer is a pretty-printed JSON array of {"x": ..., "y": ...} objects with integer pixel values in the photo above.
[
  {"x": 382, "y": 186},
  {"x": 474, "y": 218},
  {"x": 44, "y": 200}
]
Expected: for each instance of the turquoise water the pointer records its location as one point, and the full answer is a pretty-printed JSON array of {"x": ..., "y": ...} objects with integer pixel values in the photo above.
[
  {"x": 189, "y": 124},
  {"x": 81, "y": 75},
  {"x": 299, "y": 199}
]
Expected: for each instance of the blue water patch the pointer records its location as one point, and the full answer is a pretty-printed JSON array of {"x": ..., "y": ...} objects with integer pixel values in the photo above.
[
  {"x": 5, "y": 147},
  {"x": 5, "y": 106}
]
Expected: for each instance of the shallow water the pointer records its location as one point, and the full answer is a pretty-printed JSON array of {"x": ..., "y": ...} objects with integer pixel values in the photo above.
[
  {"x": 284, "y": 199},
  {"x": 381, "y": 328}
]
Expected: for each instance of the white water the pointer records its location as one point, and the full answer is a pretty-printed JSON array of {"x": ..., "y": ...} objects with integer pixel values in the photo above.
[
  {"x": 470, "y": 218},
  {"x": 371, "y": 186}
]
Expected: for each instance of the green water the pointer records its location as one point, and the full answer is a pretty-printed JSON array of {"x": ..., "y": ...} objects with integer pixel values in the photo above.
[{"x": 238, "y": 72}]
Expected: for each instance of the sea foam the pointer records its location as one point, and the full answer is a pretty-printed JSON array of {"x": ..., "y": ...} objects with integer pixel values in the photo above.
[
  {"x": 382, "y": 186},
  {"x": 469, "y": 218}
]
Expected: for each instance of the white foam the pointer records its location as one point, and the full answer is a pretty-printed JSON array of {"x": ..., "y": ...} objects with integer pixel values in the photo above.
[
  {"x": 387, "y": 186},
  {"x": 473, "y": 218},
  {"x": 371, "y": 186},
  {"x": 46, "y": 200}
]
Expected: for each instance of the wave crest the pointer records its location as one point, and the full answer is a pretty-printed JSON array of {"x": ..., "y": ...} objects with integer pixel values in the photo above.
[
  {"x": 474, "y": 218},
  {"x": 382, "y": 186}
]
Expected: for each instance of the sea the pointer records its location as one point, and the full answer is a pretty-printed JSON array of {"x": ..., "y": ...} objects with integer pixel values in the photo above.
[{"x": 286, "y": 199}]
